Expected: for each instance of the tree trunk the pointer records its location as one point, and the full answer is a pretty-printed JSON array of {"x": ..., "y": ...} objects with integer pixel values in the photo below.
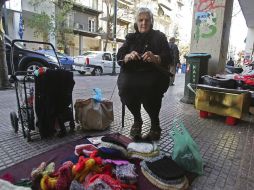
[
  {"x": 4, "y": 81},
  {"x": 106, "y": 44},
  {"x": 108, "y": 28}
]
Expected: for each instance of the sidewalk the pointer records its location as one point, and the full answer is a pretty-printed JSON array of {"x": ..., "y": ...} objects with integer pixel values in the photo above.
[{"x": 227, "y": 151}]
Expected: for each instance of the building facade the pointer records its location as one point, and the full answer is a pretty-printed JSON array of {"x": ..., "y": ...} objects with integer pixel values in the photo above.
[{"x": 92, "y": 21}]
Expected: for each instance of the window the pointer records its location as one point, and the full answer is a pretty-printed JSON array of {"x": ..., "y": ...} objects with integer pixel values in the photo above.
[
  {"x": 91, "y": 24},
  {"x": 107, "y": 57}
]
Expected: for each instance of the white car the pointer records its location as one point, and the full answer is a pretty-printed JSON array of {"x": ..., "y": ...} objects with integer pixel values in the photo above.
[{"x": 95, "y": 62}]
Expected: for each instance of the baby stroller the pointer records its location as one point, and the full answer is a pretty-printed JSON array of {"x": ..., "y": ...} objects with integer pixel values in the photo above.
[{"x": 33, "y": 91}]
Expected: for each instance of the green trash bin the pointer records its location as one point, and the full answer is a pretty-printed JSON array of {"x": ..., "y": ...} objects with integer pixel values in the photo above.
[{"x": 197, "y": 66}]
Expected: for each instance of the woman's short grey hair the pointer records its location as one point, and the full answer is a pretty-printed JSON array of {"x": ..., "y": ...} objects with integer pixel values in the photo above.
[{"x": 144, "y": 10}]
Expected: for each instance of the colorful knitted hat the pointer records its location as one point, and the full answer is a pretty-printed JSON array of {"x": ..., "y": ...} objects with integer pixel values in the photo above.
[{"x": 76, "y": 186}]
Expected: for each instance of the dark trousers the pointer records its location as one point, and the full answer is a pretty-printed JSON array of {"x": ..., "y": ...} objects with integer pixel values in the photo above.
[{"x": 145, "y": 88}]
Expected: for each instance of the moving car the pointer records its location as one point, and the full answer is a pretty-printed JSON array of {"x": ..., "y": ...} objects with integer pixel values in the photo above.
[
  {"x": 27, "y": 60},
  {"x": 65, "y": 60},
  {"x": 95, "y": 62}
]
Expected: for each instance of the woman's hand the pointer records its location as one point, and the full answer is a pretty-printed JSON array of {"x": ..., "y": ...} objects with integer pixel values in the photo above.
[
  {"x": 150, "y": 57},
  {"x": 133, "y": 56}
]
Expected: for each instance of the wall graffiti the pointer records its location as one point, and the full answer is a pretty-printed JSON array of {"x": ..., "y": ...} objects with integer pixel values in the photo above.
[
  {"x": 207, "y": 5},
  {"x": 206, "y": 19}
]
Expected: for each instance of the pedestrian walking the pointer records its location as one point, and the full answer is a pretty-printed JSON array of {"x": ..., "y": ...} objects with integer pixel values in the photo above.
[{"x": 176, "y": 61}]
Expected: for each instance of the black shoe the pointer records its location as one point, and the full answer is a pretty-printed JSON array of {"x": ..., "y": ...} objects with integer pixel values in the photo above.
[
  {"x": 135, "y": 132},
  {"x": 153, "y": 135},
  {"x": 61, "y": 133}
]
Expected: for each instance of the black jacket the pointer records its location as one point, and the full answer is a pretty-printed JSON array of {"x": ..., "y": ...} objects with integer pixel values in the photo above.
[
  {"x": 175, "y": 51},
  {"x": 154, "y": 41}
]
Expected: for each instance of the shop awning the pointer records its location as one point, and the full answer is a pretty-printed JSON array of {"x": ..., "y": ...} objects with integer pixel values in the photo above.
[{"x": 247, "y": 7}]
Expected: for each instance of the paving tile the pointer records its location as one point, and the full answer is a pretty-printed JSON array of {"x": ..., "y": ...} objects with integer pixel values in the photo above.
[{"x": 227, "y": 151}]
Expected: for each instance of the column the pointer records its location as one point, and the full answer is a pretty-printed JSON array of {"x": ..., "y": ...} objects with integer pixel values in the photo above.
[{"x": 210, "y": 31}]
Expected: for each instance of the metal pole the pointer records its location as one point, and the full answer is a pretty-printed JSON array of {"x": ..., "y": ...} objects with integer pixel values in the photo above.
[{"x": 114, "y": 42}]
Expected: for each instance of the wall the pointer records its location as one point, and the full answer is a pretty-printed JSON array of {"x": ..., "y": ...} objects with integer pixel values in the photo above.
[
  {"x": 210, "y": 31},
  {"x": 82, "y": 18},
  {"x": 29, "y": 32},
  {"x": 28, "y": 11}
]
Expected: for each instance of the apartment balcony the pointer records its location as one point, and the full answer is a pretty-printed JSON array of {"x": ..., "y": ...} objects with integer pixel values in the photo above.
[
  {"x": 165, "y": 4},
  {"x": 86, "y": 9},
  {"x": 180, "y": 3},
  {"x": 126, "y": 2},
  {"x": 81, "y": 30}
]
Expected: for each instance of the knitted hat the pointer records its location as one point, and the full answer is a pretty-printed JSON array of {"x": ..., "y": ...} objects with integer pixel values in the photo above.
[
  {"x": 49, "y": 169},
  {"x": 85, "y": 149},
  {"x": 110, "y": 153},
  {"x": 38, "y": 170},
  {"x": 76, "y": 186},
  {"x": 118, "y": 139},
  {"x": 182, "y": 186},
  {"x": 113, "y": 146},
  {"x": 165, "y": 168},
  {"x": 111, "y": 182},
  {"x": 65, "y": 176},
  {"x": 144, "y": 156},
  {"x": 142, "y": 147},
  {"x": 5, "y": 185}
]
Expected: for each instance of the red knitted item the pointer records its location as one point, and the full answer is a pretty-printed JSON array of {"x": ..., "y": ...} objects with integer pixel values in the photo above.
[
  {"x": 81, "y": 163},
  {"x": 114, "y": 184},
  {"x": 8, "y": 177},
  {"x": 65, "y": 176}
]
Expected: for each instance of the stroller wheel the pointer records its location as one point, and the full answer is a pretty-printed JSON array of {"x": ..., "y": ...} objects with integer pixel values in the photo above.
[
  {"x": 14, "y": 121},
  {"x": 72, "y": 126},
  {"x": 28, "y": 136}
]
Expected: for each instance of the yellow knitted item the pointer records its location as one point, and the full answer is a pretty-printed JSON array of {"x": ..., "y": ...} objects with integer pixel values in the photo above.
[{"x": 48, "y": 183}]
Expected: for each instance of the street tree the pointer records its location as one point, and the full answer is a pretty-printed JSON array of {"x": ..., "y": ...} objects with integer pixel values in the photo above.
[
  {"x": 55, "y": 24},
  {"x": 4, "y": 82},
  {"x": 108, "y": 35}
]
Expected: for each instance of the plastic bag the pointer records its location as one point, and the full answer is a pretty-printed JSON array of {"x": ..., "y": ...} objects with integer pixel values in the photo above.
[
  {"x": 98, "y": 94},
  {"x": 185, "y": 151}
]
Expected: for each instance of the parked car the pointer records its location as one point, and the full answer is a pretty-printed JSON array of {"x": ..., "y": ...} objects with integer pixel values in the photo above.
[
  {"x": 27, "y": 60},
  {"x": 65, "y": 60},
  {"x": 95, "y": 62}
]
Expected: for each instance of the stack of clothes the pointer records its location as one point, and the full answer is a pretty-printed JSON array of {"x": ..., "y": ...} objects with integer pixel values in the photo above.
[
  {"x": 164, "y": 173},
  {"x": 114, "y": 146},
  {"x": 144, "y": 151}
]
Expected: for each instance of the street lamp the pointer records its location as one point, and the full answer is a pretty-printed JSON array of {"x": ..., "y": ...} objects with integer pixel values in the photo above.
[{"x": 114, "y": 36}]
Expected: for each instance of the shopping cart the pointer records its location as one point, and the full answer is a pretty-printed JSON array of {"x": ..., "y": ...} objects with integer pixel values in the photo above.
[{"x": 24, "y": 83}]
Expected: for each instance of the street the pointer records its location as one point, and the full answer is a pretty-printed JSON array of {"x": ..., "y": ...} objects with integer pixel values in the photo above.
[{"x": 227, "y": 151}]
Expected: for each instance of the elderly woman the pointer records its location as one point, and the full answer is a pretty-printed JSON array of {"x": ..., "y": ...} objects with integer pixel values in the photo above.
[{"x": 143, "y": 79}]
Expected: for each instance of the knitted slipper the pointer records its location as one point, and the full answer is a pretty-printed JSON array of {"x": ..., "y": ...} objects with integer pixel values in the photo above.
[
  {"x": 38, "y": 170},
  {"x": 49, "y": 169}
]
